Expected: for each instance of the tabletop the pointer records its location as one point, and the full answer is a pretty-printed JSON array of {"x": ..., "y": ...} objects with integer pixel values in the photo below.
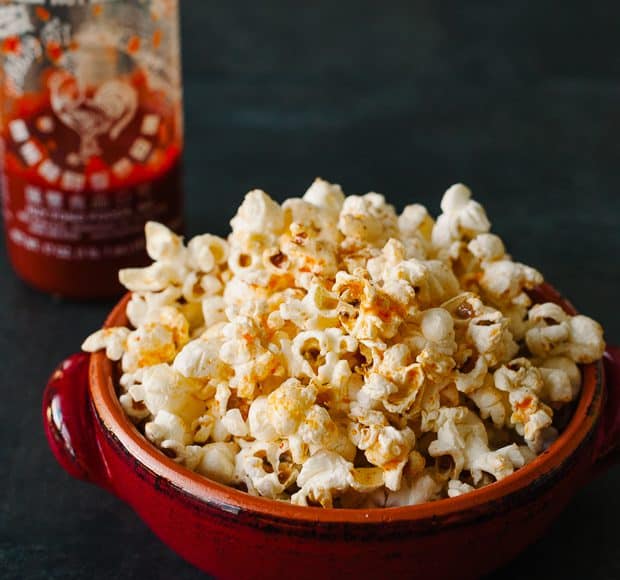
[{"x": 537, "y": 143}]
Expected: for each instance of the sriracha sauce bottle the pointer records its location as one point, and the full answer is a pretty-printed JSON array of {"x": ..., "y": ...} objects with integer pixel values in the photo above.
[{"x": 91, "y": 137}]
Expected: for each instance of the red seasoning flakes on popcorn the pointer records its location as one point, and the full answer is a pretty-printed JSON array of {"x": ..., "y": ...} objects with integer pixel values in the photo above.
[{"x": 333, "y": 353}]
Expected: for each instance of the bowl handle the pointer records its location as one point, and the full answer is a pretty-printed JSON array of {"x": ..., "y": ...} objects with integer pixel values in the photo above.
[
  {"x": 607, "y": 449},
  {"x": 67, "y": 418}
]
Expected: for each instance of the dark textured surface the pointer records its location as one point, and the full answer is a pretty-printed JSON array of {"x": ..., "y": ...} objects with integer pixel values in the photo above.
[{"x": 513, "y": 98}]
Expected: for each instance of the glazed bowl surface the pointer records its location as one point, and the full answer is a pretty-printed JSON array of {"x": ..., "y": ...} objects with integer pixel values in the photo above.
[{"x": 231, "y": 534}]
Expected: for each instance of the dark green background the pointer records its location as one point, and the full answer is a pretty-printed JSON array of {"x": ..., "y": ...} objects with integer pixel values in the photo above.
[{"x": 520, "y": 100}]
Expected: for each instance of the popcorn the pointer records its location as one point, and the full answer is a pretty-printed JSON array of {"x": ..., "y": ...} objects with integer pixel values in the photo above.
[
  {"x": 437, "y": 327},
  {"x": 162, "y": 245},
  {"x": 206, "y": 252},
  {"x": 332, "y": 353},
  {"x": 243, "y": 351},
  {"x": 199, "y": 359},
  {"x": 422, "y": 489},
  {"x": 394, "y": 381},
  {"x": 558, "y": 367},
  {"x": 491, "y": 337},
  {"x": 366, "y": 311},
  {"x": 144, "y": 306},
  {"x": 189, "y": 456},
  {"x": 390, "y": 450},
  {"x": 368, "y": 219},
  {"x": 487, "y": 247},
  {"x": 149, "y": 345},
  {"x": 318, "y": 428},
  {"x": 167, "y": 427},
  {"x": 259, "y": 424},
  {"x": 462, "y": 436},
  {"x": 154, "y": 278},
  {"x": 326, "y": 196},
  {"x": 165, "y": 389},
  {"x": 553, "y": 332},
  {"x": 264, "y": 469},
  {"x": 503, "y": 281},
  {"x": 197, "y": 287},
  {"x": 520, "y": 373},
  {"x": 218, "y": 462},
  {"x": 492, "y": 403},
  {"x": 216, "y": 410},
  {"x": 113, "y": 340},
  {"x": 503, "y": 462},
  {"x": 322, "y": 477},
  {"x": 234, "y": 423},
  {"x": 135, "y": 410},
  {"x": 431, "y": 281},
  {"x": 393, "y": 253},
  {"x": 438, "y": 330},
  {"x": 308, "y": 249},
  {"x": 462, "y": 217},
  {"x": 288, "y": 404},
  {"x": 317, "y": 354},
  {"x": 457, "y": 487},
  {"x": 557, "y": 386},
  {"x": 524, "y": 383},
  {"x": 470, "y": 377},
  {"x": 415, "y": 222},
  {"x": 259, "y": 215},
  {"x": 176, "y": 265},
  {"x": 203, "y": 428}
]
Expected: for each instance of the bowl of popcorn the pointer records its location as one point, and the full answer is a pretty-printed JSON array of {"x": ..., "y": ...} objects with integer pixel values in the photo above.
[{"x": 336, "y": 390}]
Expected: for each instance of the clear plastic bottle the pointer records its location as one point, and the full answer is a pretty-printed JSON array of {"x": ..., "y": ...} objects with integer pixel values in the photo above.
[{"x": 91, "y": 137}]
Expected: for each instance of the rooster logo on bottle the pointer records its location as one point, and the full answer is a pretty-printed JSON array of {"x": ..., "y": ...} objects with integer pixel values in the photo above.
[{"x": 107, "y": 112}]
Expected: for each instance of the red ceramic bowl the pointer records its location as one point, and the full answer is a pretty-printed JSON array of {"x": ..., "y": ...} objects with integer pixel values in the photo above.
[{"x": 234, "y": 535}]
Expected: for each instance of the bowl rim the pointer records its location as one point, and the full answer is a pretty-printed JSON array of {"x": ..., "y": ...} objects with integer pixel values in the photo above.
[{"x": 117, "y": 425}]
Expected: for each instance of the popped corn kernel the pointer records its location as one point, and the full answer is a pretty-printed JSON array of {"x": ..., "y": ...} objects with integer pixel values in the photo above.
[
  {"x": 553, "y": 333},
  {"x": 462, "y": 217},
  {"x": 112, "y": 340}
]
